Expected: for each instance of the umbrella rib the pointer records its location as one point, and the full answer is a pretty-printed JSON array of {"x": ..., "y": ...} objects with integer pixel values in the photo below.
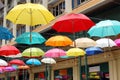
[
  {"x": 43, "y": 15},
  {"x": 18, "y": 15}
]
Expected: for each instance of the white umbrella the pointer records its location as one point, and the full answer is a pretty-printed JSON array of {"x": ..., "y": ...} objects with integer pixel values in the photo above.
[
  {"x": 3, "y": 63},
  {"x": 48, "y": 60},
  {"x": 105, "y": 42},
  {"x": 84, "y": 42}
]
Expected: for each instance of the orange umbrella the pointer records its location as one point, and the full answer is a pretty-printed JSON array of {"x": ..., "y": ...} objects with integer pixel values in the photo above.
[
  {"x": 58, "y": 40},
  {"x": 23, "y": 67}
]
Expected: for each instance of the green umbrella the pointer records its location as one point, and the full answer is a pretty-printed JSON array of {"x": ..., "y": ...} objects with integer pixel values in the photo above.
[
  {"x": 30, "y": 38},
  {"x": 32, "y": 52}
]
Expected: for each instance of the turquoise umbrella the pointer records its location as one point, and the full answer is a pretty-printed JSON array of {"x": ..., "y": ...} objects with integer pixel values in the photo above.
[
  {"x": 30, "y": 38},
  {"x": 33, "y": 61},
  {"x": 105, "y": 28}
]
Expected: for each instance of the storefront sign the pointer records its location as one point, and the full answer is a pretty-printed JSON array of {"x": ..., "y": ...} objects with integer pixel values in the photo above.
[{"x": 94, "y": 69}]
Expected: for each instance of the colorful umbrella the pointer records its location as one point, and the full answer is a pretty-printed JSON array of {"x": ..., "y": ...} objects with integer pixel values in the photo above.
[
  {"x": 32, "y": 52},
  {"x": 30, "y": 14},
  {"x": 65, "y": 57},
  {"x": 15, "y": 56},
  {"x": 3, "y": 63},
  {"x": 5, "y": 33},
  {"x": 105, "y": 28},
  {"x": 33, "y": 61},
  {"x": 9, "y": 69},
  {"x": 1, "y": 70},
  {"x": 9, "y": 50},
  {"x": 93, "y": 50},
  {"x": 75, "y": 52},
  {"x": 30, "y": 38},
  {"x": 72, "y": 23},
  {"x": 105, "y": 42},
  {"x": 55, "y": 53},
  {"x": 84, "y": 42},
  {"x": 58, "y": 40},
  {"x": 117, "y": 41},
  {"x": 16, "y": 62},
  {"x": 48, "y": 60},
  {"x": 23, "y": 67}
]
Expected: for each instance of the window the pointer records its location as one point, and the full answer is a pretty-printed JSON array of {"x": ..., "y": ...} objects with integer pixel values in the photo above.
[
  {"x": 63, "y": 74},
  {"x": 58, "y": 9}
]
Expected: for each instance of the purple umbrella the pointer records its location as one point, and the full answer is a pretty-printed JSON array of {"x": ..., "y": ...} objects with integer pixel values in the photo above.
[{"x": 9, "y": 69}]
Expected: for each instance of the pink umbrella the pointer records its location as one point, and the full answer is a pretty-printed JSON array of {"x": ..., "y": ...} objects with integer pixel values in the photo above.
[
  {"x": 117, "y": 41},
  {"x": 1, "y": 70},
  {"x": 55, "y": 52}
]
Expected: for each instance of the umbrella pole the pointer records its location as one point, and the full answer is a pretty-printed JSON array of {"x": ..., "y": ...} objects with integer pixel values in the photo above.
[
  {"x": 46, "y": 72},
  {"x": 49, "y": 72},
  {"x": 86, "y": 67},
  {"x": 79, "y": 65}
]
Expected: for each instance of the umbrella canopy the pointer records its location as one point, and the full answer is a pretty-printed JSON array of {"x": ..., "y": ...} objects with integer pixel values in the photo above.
[
  {"x": 58, "y": 40},
  {"x": 75, "y": 52},
  {"x": 54, "y": 53},
  {"x": 15, "y": 56},
  {"x": 9, "y": 50},
  {"x": 1, "y": 70},
  {"x": 5, "y": 33},
  {"x": 48, "y": 60},
  {"x": 65, "y": 57},
  {"x": 117, "y": 41},
  {"x": 105, "y": 28},
  {"x": 3, "y": 63},
  {"x": 84, "y": 42},
  {"x": 73, "y": 23},
  {"x": 105, "y": 42},
  {"x": 33, "y": 62},
  {"x": 23, "y": 67},
  {"x": 30, "y": 14},
  {"x": 30, "y": 38},
  {"x": 93, "y": 50},
  {"x": 16, "y": 62},
  {"x": 32, "y": 52},
  {"x": 9, "y": 69}
]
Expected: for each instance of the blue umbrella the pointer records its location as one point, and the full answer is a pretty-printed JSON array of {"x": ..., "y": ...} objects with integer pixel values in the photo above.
[
  {"x": 105, "y": 28},
  {"x": 30, "y": 38},
  {"x": 5, "y": 33},
  {"x": 33, "y": 61},
  {"x": 93, "y": 50}
]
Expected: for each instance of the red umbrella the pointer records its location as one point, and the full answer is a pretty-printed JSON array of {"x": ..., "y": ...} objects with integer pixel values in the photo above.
[
  {"x": 8, "y": 50},
  {"x": 16, "y": 62},
  {"x": 73, "y": 23}
]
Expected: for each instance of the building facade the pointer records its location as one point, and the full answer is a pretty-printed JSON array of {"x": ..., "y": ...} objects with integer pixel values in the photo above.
[{"x": 103, "y": 66}]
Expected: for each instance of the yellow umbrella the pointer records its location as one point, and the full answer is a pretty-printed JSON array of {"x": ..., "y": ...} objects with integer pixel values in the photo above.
[
  {"x": 30, "y": 14},
  {"x": 58, "y": 40},
  {"x": 75, "y": 52}
]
